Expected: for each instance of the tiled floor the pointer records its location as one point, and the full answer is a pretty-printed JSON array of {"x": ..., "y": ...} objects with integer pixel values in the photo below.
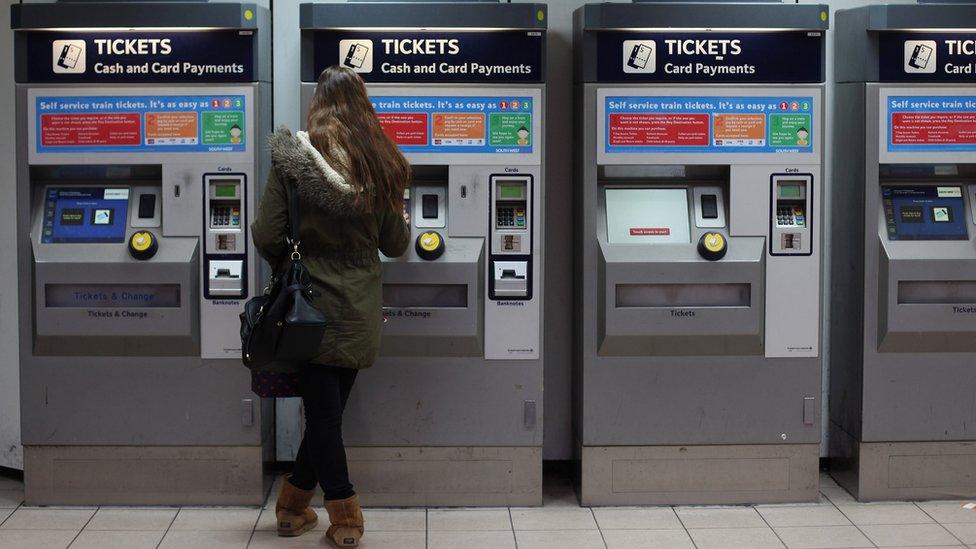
[{"x": 837, "y": 521}]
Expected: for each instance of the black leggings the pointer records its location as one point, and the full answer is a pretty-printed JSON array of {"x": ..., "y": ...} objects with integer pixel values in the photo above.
[{"x": 322, "y": 457}]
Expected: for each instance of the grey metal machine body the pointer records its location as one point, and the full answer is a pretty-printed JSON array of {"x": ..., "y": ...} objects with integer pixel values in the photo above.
[
  {"x": 698, "y": 375},
  {"x": 451, "y": 412},
  {"x": 137, "y": 167},
  {"x": 901, "y": 415}
]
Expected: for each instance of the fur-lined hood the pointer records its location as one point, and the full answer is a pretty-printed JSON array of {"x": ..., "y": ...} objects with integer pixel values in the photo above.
[{"x": 307, "y": 170}]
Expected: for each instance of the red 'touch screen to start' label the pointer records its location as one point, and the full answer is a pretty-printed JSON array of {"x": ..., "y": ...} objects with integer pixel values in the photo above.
[{"x": 650, "y": 231}]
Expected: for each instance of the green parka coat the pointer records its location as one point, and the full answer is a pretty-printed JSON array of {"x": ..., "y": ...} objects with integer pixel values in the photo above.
[{"x": 340, "y": 245}]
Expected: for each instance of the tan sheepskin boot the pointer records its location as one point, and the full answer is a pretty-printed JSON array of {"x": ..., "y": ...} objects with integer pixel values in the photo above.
[
  {"x": 294, "y": 515},
  {"x": 346, "y": 518}
]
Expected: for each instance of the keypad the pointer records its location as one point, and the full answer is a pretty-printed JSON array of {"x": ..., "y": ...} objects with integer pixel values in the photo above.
[
  {"x": 225, "y": 216},
  {"x": 790, "y": 216},
  {"x": 505, "y": 217}
]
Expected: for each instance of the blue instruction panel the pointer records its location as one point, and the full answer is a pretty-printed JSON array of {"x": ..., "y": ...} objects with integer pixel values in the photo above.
[
  {"x": 931, "y": 123},
  {"x": 656, "y": 124},
  {"x": 140, "y": 123},
  {"x": 457, "y": 124},
  {"x": 74, "y": 215},
  {"x": 924, "y": 212}
]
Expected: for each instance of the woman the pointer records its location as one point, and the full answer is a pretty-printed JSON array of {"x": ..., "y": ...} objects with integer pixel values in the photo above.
[{"x": 350, "y": 179}]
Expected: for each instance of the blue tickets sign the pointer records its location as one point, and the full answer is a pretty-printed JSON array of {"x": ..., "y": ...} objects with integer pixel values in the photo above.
[
  {"x": 140, "y": 123},
  {"x": 926, "y": 56},
  {"x": 710, "y": 57},
  {"x": 691, "y": 124},
  {"x": 458, "y": 124},
  {"x": 140, "y": 56},
  {"x": 432, "y": 56}
]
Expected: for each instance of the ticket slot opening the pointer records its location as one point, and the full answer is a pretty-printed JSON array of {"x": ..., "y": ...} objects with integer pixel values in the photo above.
[
  {"x": 929, "y": 291},
  {"x": 451, "y": 296},
  {"x": 683, "y": 295}
]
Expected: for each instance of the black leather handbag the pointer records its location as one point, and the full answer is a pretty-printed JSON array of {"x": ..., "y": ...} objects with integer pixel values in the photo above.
[{"x": 281, "y": 329}]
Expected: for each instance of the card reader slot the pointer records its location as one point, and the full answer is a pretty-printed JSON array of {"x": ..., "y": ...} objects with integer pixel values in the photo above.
[
  {"x": 923, "y": 292},
  {"x": 683, "y": 295},
  {"x": 454, "y": 296}
]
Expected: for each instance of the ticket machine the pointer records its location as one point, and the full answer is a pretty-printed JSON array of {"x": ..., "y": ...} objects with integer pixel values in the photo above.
[
  {"x": 139, "y": 155},
  {"x": 699, "y": 182},
  {"x": 903, "y": 301},
  {"x": 451, "y": 412}
]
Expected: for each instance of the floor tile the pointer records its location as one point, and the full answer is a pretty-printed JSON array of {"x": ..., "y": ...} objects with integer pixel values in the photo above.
[
  {"x": 636, "y": 518},
  {"x": 131, "y": 518},
  {"x": 11, "y": 498},
  {"x": 215, "y": 519},
  {"x": 390, "y": 520},
  {"x": 468, "y": 520},
  {"x": 720, "y": 517},
  {"x": 647, "y": 539},
  {"x": 394, "y": 540},
  {"x": 964, "y": 531},
  {"x": 735, "y": 538},
  {"x": 35, "y": 539},
  {"x": 4, "y": 513},
  {"x": 833, "y": 491},
  {"x": 36, "y": 518},
  {"x": 884, "y": 513},
  {"x": 903, "y": 535},
  {"x": 553, "y": 518},
  {"x": 308, "y": 540},
  {"x": 130, "y": 539},
  {"x": 948, "y": 511},
  {"x": 822, "y": 537},
  {"x": 802, "y": 515},
  {"x": 580, "y": 539},
  {"x": 188, "y": 539},
  {"x": 471, "y": 540}
]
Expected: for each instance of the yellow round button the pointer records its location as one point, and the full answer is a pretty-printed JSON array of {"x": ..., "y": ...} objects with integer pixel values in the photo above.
[
  {"x": 430, "y": 245},
  {"x": 430, "y": 241},
  {"x": 142, "y": 245},
  {"x": 248, "y": 14},
  {"x": 714, "y": 242},
  {"x": 141, "y": 241},
  {"x": 712, "y": 246}
]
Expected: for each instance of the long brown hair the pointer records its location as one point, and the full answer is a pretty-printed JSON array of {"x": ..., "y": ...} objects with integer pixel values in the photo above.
[{"x": 343, "y": 127}]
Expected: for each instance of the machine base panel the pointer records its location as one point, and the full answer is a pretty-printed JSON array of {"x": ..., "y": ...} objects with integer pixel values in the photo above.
[
  {"x": 899, "y": 471},
  {"x": 144, "y": 475},
  {"x": 672, "y": 475},
  {"x": 446, "y": 476}
]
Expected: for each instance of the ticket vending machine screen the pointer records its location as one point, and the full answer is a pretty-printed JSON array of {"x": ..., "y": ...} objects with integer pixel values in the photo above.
[
  {"x": 927, "y": 212},
  {"x": 85, "y": 215}
]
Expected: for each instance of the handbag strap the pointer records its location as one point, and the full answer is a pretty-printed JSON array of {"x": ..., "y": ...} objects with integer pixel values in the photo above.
[{"x": 294, "y": 222}]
